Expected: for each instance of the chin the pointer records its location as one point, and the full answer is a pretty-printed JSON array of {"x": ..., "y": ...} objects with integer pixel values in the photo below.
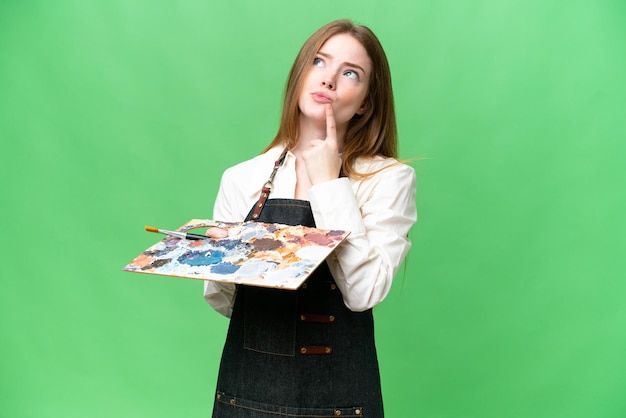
[{"x": 314, "y": 114}]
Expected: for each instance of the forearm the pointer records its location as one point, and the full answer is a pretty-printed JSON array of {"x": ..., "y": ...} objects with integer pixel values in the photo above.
[{"x": 365, "y": 264}]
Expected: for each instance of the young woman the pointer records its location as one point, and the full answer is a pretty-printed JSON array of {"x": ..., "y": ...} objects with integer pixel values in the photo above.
[{"x": 311, "y": 352}]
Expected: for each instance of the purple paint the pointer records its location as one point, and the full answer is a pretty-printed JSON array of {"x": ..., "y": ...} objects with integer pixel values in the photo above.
[
  {"x": 320, "y": 239},
  {"x": 266, "y": 244}
]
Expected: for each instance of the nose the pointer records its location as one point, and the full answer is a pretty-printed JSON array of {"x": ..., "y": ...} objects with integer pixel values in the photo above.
[{"x": 328, "y": 82}]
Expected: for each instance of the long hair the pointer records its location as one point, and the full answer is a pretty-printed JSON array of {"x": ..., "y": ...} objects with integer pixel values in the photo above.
[{"x": 370, "y": 134}]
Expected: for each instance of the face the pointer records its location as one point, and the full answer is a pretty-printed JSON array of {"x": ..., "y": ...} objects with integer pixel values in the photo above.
[{"x": 339, "y": 75}]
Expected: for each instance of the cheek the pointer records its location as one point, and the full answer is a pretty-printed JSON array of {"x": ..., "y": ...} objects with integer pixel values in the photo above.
[
  {"x": 364, "y": 91},
  {"x": 354, "y": 98},
  {"x": 354, "y": 90},
  {"x": 311, "y": 79},
  {"x": 302, "y": 95}
]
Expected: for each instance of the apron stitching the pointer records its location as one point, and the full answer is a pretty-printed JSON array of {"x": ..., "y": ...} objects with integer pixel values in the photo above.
[{"x": 285, "y": 414}]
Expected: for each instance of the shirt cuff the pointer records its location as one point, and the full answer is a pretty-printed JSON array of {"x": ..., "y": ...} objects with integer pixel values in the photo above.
[{"x": 220, "y": 296}]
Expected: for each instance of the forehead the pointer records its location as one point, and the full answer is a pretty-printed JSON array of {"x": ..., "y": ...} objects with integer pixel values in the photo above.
[{"x": 345, "y": 48}]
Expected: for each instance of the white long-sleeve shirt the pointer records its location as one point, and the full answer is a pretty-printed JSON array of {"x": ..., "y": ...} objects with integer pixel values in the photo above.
[{"x": 378, "y": 212}]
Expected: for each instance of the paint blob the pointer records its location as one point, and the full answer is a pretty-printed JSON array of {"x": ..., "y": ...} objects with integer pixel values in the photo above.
[
  {"x": 318, "y": 238},
  {"x": 224, "y": 268},
  {"x": 266, "y": 244},
  {"x": 201, "y": 258}
]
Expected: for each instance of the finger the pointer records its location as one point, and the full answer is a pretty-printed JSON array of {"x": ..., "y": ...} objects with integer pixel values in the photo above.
[
  {"x": 216, "y": 232},
  {"x": 331, "y": 127}
]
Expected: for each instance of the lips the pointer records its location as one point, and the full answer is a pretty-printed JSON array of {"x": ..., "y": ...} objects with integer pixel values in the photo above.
[{"x": 321, "y": 97}]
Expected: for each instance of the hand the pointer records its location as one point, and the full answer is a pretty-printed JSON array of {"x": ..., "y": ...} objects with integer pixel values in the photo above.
[
  {"x": 322, "y": 160},
  {"x": 215, "y": 232}
]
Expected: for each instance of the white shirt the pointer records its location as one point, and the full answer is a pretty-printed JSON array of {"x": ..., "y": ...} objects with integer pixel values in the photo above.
[{"x": 378, "y": 212}]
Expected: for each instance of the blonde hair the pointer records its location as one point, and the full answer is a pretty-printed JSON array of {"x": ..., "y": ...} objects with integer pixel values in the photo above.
[{"x": 370, "y": 134}]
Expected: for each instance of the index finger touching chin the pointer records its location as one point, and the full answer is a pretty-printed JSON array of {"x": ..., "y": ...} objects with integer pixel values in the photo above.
[{"x": 331, "y": 128}]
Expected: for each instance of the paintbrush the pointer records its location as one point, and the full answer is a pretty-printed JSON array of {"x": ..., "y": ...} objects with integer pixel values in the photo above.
[{"x": 178, "y": 234}]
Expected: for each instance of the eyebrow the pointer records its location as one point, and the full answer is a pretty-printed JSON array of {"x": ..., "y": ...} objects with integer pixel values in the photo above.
[{"x": 350, "y": 64}]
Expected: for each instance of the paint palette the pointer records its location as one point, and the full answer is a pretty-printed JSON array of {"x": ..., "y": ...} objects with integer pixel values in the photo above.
[{"x": 253, "y": 253}]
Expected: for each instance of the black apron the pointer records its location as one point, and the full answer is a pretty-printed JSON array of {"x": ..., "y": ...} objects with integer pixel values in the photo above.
[{"x": 297, "y": 353}]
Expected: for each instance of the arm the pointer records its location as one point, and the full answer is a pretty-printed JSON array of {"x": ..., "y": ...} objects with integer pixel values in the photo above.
[
  {"x": 379, "y": 212},
  {"x": 236, "y": 195},
  {"x": 221, "y": 295}
]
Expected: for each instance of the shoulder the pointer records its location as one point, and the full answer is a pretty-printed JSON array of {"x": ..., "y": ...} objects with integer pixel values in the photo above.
[
  {"x": 386, "y": 180},
  {"x": 381, "y": 168},
  {"x": 390, "y": 187}
]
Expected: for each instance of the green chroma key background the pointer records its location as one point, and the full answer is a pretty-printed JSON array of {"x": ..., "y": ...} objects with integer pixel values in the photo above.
[{"x": 118, "y": 114}]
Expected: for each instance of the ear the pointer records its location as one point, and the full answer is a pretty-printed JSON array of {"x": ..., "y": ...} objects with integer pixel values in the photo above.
[{"x": 362, "y": 109}]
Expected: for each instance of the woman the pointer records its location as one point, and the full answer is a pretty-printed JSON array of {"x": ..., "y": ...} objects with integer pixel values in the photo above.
[{"x": 311, "y": 352}]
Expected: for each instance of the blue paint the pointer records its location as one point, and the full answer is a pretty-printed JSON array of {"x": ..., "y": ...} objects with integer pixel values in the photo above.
[
  {"x": 224, "y": 268},
  {"x": 241, "y": 252},
  {"x": 233, "y": 244},
  {"x": 201, "y": 258},
  {"x": 251, "y": 231},
  {"x": 227, "y": 244}
]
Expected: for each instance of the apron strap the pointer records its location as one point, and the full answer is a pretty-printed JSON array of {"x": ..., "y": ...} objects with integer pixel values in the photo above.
[{"x": 267, "y": 187}]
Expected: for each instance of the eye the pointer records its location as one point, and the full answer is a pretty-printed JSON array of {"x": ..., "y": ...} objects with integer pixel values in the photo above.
[
  {"x": 318, "y": 62},
  {"x": 351, "y": 74}
]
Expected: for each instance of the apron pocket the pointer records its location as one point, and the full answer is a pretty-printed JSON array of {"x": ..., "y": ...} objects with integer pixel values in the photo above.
[
  {"x": 270, "y": 320},
  {"x": 231, "y": 406}
]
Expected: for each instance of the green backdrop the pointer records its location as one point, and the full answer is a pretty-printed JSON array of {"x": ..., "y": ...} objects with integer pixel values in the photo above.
[{"x": 120, "y": 113}]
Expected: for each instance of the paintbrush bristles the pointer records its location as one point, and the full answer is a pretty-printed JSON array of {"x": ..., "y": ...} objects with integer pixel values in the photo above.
[{"x": 151, "y": 229}]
